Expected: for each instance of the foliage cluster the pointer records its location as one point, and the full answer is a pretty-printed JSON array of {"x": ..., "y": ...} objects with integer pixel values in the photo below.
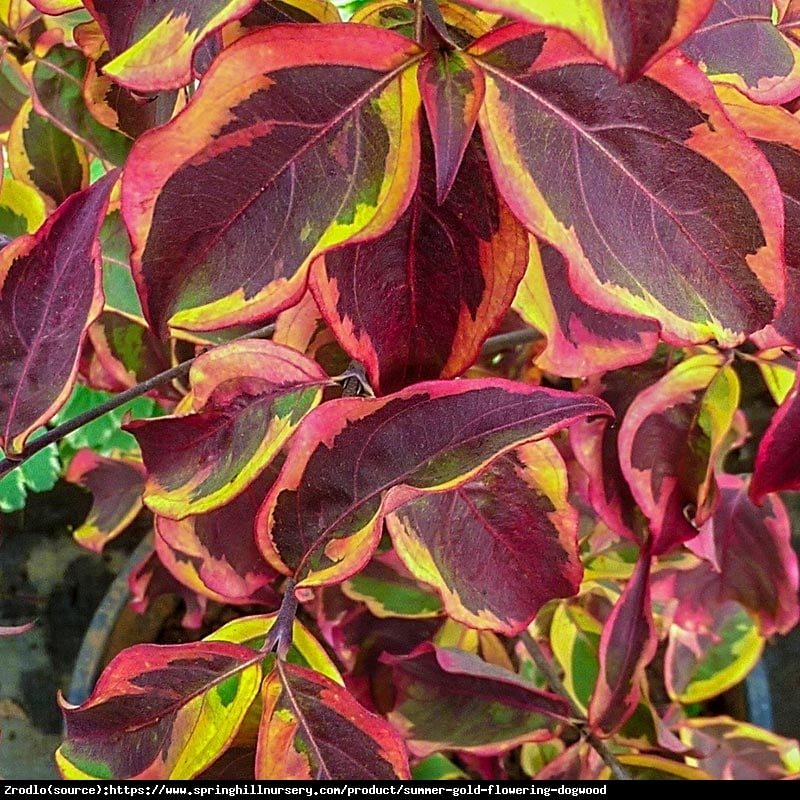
[{"x": 450, "y": 317}]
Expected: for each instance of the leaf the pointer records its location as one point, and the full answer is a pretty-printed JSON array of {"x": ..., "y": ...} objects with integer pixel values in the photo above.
[
  {"x": 451, "y": 87},
  {"x": 55, "y": 7},
  {"x": 248, "y": 397},
  {"x": 498, "y": 547},
  {"x": 671, "y": 442},
  {"x": 118, "y": 285},
  {"x": 214, "y": 553},
  {"x": 450, "y": 699},
  {"x": 37, "y": 474},
  {"x": 776, "y": 133},
  {"x": 628, "y": 37},
  {"x": 45, "y": 158},
  {"x": 627, "y": 645},
  {"x": 635, "y": 187},
  {"x": 702, "y": 663},
  {"x": 431, "y": 437},
  {"x": 314, "y": 174},
  {"x": 776, "y": 468},
  {"x": 418, "y": 302},
  {"x": 22, "y": 209},
  {"x": 740, "y": 751},
  {"x": 581, "y": 340},
  {"x": 40, "y": 333},
  {"x": 152, "y": 43},
  {"x": 751, "y": 552},
  {"x": 13, "y": 92},
  {"x": 739, "y": 43},
  {"x": 57, "y": 91},
  {"x": 312, "y": 728},
  {"x": 160, "y": 712},
  {"x": 116, "y": 485}
]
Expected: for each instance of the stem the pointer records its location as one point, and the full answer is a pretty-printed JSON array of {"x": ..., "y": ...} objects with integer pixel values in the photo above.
[
  {"x": 419, "y": 21},
  {"x": 557, "y": 685},
  {"x": 65, "y": 428},
  {"x": 492, "y": 345}
]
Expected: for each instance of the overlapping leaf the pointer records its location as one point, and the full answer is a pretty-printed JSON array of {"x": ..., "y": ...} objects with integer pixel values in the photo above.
[
  {"x": 160, "y": 712},
  {"x": 626, "y": 36},
  {"x": 740, "y": 43},
  {"x": 214, "y": 553},
  {"x": 581, "y": 340},
  {"x": 313, "y": 728},
  {"x": 57, "y": 81},
  {"x": 499, "y": 546},
  {"x": 248, "y": 397},
  {"x": 418, "y": 302},
  {"x": 451, "y": 699},
  {"x": 635, "y": 187},
  {"x": 44, "y": 157},
  {"x": 627, "y": 645},
  {"x": 432, "y": 437},
  {"x": 670, "y": 443},
  {"x": 299, "y": 138},
  {"x": 776, "y": 133},
  {"x": 152, "y": 43},
  {"x": 49, "y": 293},
  {"x": 116, "y": 485},
  {"x": 22, "y": 209}
]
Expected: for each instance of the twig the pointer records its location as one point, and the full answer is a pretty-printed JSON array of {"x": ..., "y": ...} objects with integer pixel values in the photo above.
[
  {"x": 78, "y": 421},
  {"x": 557, "y": 685}
]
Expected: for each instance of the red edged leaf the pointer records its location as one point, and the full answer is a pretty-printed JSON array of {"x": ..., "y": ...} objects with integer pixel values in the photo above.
[
  {"x": 418, "y": 302},
  {"x": 248, "y": 397},
  {"x": 636, "y": 186},
  {"x": 451, "y": 699},
  {"x": 40, "y": 332},
  {"x": 152, "y": 43},
  {"x": 312, "y": 174},
  {"x": 627, "y": 36},
  {"x": 13, "y": 92},
  {"x": 671, "y": 441},
  {"x": 776, "y": 133},
  {"x": 581, "y": 340},
  {"x": 312, "y": 728},
  {"x": 777, "y": 467},
  {"x": 627, "y": 645},
  {"x": 160, "y": 712},
  {"x": 56, "y": 7},
  {"x": 428, "y": 438},
  {"x": 751, "y": 552},
  {"x": 214, "y": 553},
  {"x": 116, "y": 485},
  {"x": 499, "y": 546},
  {"x": 451, "y": 86},
  {"x": 740, "y": 751},
  {"x": 738, "y": 43}
]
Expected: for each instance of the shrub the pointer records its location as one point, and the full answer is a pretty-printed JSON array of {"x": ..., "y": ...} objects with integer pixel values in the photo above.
[{"x": 456, "y": 320}]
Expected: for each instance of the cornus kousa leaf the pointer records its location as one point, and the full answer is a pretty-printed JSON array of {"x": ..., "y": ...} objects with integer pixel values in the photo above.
[
  {"x": 160, "y": 712},
  {"x": 228, "y": 203},
  {"x": 776, "y": 133},
  {"x": 636, "y": 186},
  {"x": 247, "y": 397},
  {"x": 581, "y": 340},
  {"x": 740, "y": 44},
  {"x": 116, "y": 485},
  {"x": 500, "y": 545},
  {"x": 451, "y": 86},
  {"x": 670, "y": 443},
  {"x": 152, "y": 43},
  {"x": 627, "y": 645},
  {"x": 625, "y": 36},
  {"x": 451, "y": 699},
  {"x": 429, "y": 438},
  {"x": 313, "y": 728},
  {"x": 418, "y": 301},
  {"x": 49, "y": 293},
  {"x": 214, "y": 553}
]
